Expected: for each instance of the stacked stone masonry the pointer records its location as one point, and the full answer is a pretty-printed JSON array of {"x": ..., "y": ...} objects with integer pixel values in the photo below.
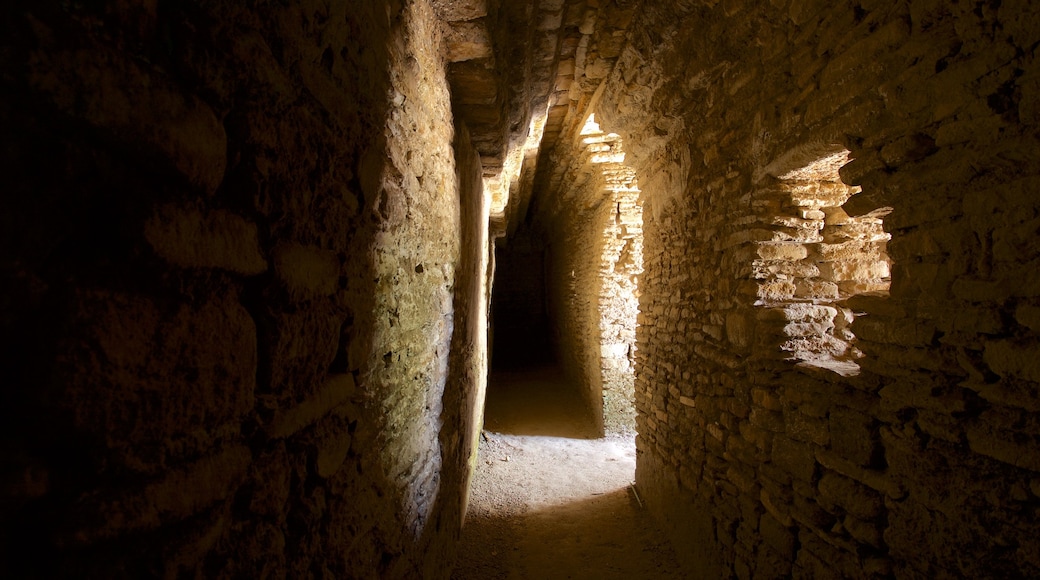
[
  {"x": 235, "y": 333},
  {"x": 811, "y": 256},
  {"x": 597, "y": 236},
  {"x": 925, "y": 464},
  {"x": 246, "y": 249}
]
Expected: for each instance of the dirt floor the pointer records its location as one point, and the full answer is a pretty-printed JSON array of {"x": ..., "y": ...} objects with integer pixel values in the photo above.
[{"x": 549, "y": 501}]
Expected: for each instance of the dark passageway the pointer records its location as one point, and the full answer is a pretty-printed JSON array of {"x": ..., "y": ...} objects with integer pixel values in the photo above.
[
  {"x": 779, "y": 258},
  {"x": 521, "y": 330}
]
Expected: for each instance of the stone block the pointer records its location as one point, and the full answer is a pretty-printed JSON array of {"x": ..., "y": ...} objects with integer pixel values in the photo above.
[
  {"x": 176, "y": 375},
  {"x": 805, "y": 428},
  {"x": 882, "y": 482},
  {"x": 332, "y": 448},
  {"x": 460, "y": 10},
  {"x": 1013, "y": 359},
  {"x": 870, "y": 533},
  {"x": 336, "y": 392},
  {"x": 768, "y": 420},
  {"x": 1009, "y": 446},
  {"x": 189, "y": 238},
  {"x": 179, "y": 494},
  {"x": 806, "y": 511},
  {"x": 778, "y": 536},
  {"x": 786, "y": 251},
  {"x": 766, "y": 399},
  {"x": 467, "y": 40}
]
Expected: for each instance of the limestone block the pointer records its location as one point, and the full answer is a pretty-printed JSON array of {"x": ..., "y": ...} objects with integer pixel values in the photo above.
[
  {"x": 854, "y": 270},
  {"x": 766, "y": 269},
  {"x": 460, "y": 10},
  {"x": 774, "y": 291},
  {"x": 1028, "y": 315},
  {"x": 806, "y": 511},
  {"x": 467, "y": 41},
  {"x": 738, "y": 329},
  {"x": 869, "y": 477},
  {"x": 550, "y": 19},
  {"x": 1016, "y": 359},
  {"x": 853, "y": 436},
  {"x": 871, "y": 533},
  {"x": 268, "y": 481},
  {"x": 1015, "y": 448},
  {"x": 790, "y": 251},
  {"x": 189, "y": 238},
  {"x": 907, "y": 333},
  {"x": 815, "y": 289},
  {"x": 333, "y": 453},
  {"x": 176, "y": 375},
  {"x": 768, "y": 420},
  {"x": 179, "y": 494},
  {"x": 766, "y": 399}
]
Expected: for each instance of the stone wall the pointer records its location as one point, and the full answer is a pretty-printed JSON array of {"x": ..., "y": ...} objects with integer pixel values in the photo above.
[
  {"x": 577, "y": 248},
  {"x": 234, "y": 344},
  {"x": 467, "y": 384},
  {"x": 925, "y": 463},
  {"x": 594, "y": 222}
]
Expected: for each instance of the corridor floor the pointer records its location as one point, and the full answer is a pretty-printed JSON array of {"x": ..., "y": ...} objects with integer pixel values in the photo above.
[{"x": 547, "y": 500}]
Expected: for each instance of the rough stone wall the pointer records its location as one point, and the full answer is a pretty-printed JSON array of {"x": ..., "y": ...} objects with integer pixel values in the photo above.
[
  {"x": 577, "y": 250},
  {"x": 467, "y": 384},
  {"x": 620, "y": 269},
  {"x": 595, "y": 224},
  {"x": 925, "y": 463},
  {"x": 813, "y": 256},
  {"x": 231, "y": 246}
]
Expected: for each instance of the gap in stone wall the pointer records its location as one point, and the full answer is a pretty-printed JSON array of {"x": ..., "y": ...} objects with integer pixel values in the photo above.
[{"x": 817, "y": 256}]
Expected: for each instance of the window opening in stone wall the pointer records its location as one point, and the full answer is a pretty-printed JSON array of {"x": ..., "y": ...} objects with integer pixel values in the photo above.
[
  {"x": 621, "y": 265},
  {"x": 817, "y": 257}
]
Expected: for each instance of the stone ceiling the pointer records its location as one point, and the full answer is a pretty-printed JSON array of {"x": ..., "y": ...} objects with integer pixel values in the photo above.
[{"x": 523, "y": 74}]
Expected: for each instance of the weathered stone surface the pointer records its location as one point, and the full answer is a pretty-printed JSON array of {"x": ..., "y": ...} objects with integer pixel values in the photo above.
[
  {"x": 306, "y": 271},
  {"x": 236, "y": 237},
  {"x": 190, "y": 239},
  {"x": 467, "y": 41},
  {"x": 750, "y": 222},
  {"x": 246, "y": 251},
  {"x": 457, "y": 10},
  {"x": 136, "y": 105}
]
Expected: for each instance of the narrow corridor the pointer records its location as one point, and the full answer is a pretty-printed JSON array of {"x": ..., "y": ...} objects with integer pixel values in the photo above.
[{"x": 547, "y": 501}]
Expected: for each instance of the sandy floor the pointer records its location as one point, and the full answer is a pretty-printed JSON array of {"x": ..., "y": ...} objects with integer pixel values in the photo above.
[{"x": 550, "y": 502}]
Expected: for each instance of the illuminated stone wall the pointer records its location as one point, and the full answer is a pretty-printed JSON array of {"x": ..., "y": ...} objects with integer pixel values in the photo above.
[
  {"x": 923, "y": 464},
  {"x": 596, "y": 232}
]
